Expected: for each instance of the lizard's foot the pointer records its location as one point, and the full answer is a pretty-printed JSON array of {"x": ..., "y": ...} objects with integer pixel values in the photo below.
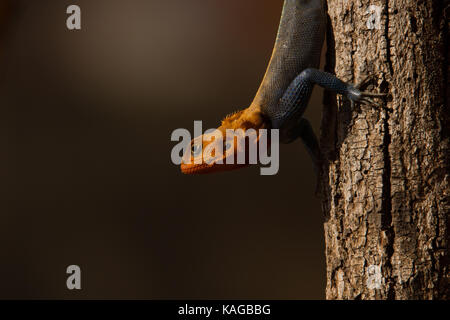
[{"x": 355, "y": 95}]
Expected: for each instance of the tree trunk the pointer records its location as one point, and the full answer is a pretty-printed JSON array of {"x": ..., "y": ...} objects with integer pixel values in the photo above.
[{"x": 385, "y": 176}]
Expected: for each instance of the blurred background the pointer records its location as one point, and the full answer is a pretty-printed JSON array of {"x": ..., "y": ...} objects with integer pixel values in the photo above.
[{"x": 86, "y": 176}]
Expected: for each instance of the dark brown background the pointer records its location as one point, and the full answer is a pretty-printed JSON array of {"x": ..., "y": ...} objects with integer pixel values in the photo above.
[{"x": 86, "y": 118}]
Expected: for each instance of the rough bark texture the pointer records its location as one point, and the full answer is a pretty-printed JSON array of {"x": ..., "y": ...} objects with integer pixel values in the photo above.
[{"x": 386, "y": 177}]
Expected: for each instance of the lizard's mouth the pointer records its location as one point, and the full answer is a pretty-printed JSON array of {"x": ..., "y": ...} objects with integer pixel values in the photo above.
[{"x": 205, "y": 168}]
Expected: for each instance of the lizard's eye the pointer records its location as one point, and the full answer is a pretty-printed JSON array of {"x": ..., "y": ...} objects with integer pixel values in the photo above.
[{"x": 196, "y": 149}]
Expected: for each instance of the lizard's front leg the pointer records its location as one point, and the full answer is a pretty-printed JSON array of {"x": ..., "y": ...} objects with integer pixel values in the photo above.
[
  {"x": 328, "y": 81},
  {"x": 295, "y": 99}
]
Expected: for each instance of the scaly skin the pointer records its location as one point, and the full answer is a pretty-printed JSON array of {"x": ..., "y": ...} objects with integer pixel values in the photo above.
[{"x": 284, "y": 92}]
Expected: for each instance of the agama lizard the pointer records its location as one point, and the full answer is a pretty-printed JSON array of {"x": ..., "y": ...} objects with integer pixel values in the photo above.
[{"x": 286, "y": 87}]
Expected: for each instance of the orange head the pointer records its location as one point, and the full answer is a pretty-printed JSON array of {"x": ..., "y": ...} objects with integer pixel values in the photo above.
[{"x": 219, "y": 150}]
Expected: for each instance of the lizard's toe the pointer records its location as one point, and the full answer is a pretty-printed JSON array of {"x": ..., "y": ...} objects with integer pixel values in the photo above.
[
  {"x": 376, "y": 95},
  {"x": 363, "y": 97},
  {"x": 364, "y": 82}
]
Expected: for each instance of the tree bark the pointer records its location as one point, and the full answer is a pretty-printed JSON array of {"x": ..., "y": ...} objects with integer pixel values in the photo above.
[{"x": 385, "y": 176}]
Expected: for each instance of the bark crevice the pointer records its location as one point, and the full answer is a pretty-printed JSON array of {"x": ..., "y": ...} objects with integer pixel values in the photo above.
[{"x": 386, "y": 222}]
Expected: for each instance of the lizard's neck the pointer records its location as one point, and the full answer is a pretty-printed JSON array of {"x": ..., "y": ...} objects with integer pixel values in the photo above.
[{"x": 250, "y": 118}]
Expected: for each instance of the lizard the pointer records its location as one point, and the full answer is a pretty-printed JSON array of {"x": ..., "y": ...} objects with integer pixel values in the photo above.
[{"x": 284, "y": 92}]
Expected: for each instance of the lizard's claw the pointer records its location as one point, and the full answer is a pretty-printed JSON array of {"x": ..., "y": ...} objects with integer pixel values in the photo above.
[
  {"x": 363, "y": 97},
  {"x": 364, "y": 82},
  {"x": 367, "y": 98},
  {"x": 376, "y": 95}
]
